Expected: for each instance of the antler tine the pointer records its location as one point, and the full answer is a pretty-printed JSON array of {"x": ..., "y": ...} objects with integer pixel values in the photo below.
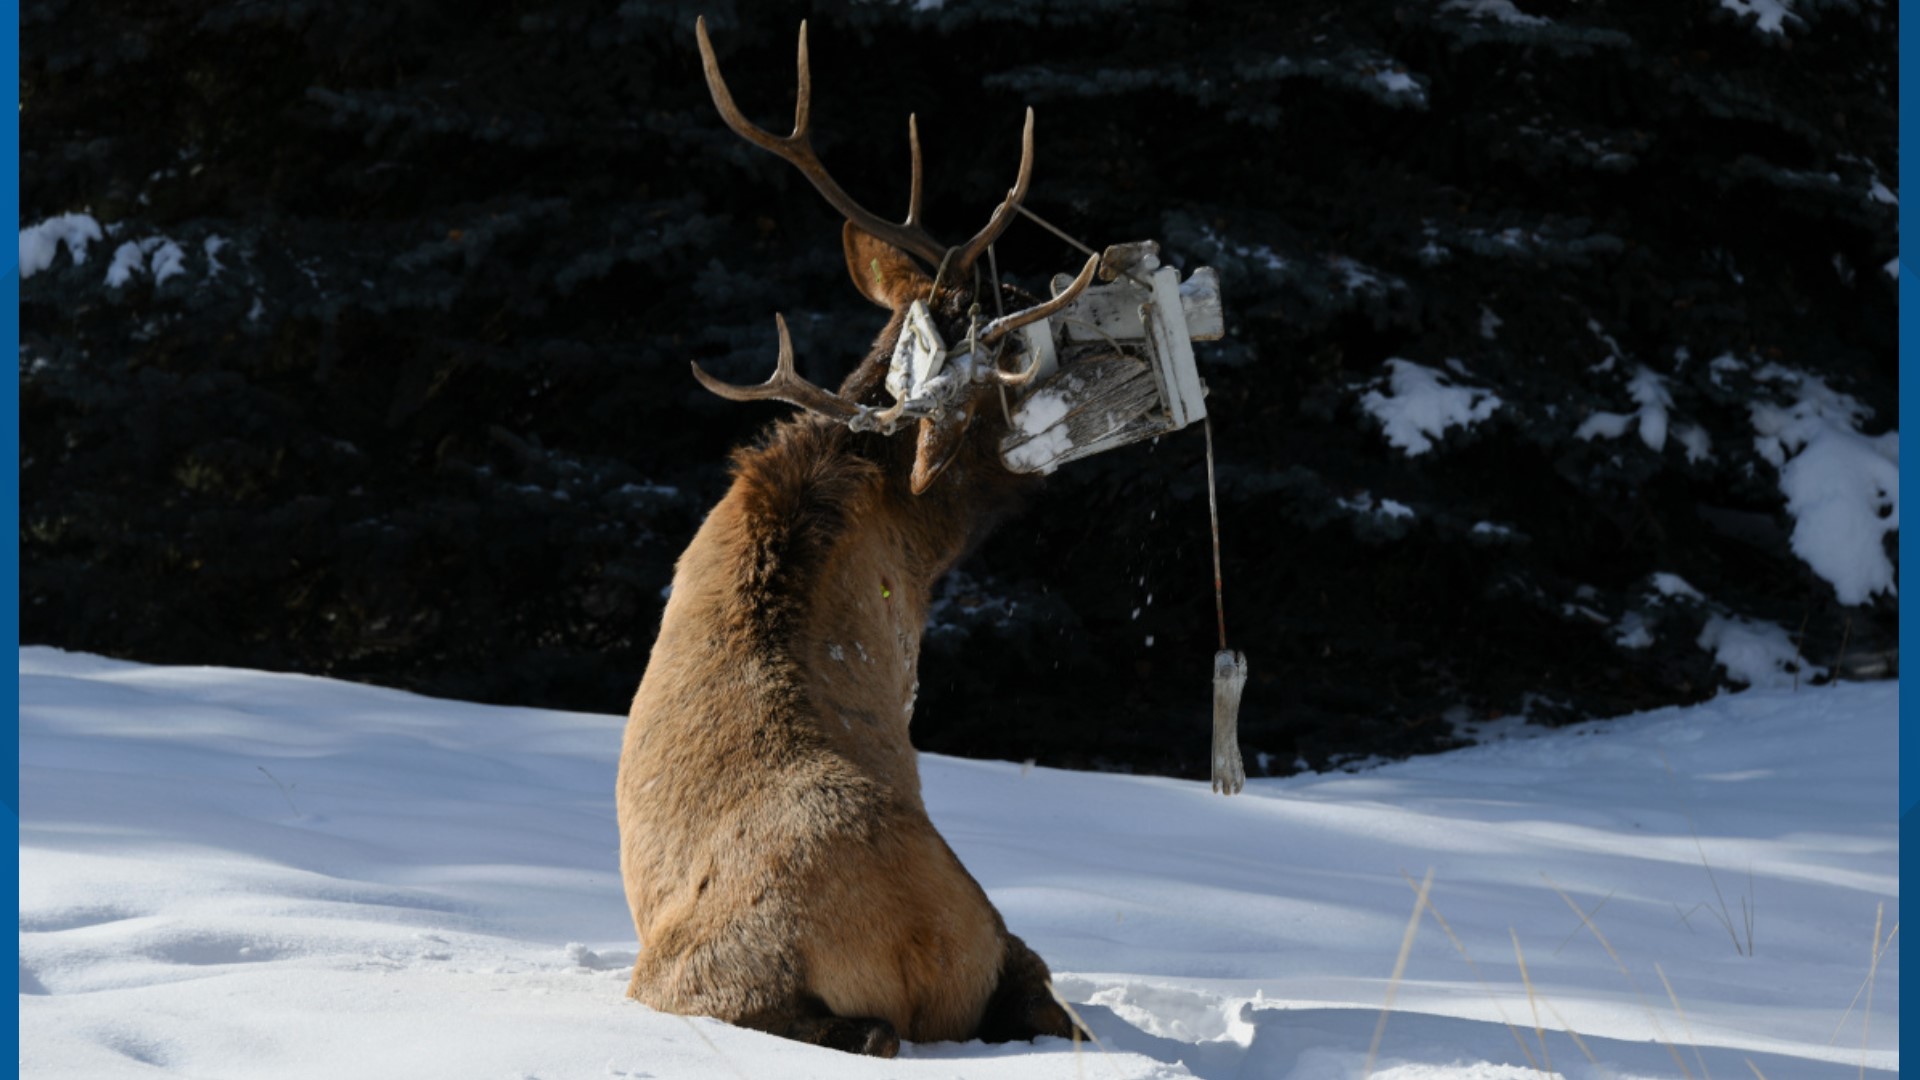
[
  {"x": 784, "y": 385},
  {"x": 797, "y": 149},
  {"x": 886, "y": 419},
  {"x": 729, "y": 112},
  {"x": 1006, "y": 324},
  {"x": 913, "y": 141},
  {"x": 1003, "y": 214},
  {"x": 803, "y": 101}
]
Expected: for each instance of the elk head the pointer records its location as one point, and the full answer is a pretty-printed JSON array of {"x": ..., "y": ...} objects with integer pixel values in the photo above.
[{"x": 901, "y": 267}]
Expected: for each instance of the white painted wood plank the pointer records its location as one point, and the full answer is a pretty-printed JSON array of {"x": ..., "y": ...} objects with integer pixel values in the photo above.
[{"x": 1173, "y": 350}]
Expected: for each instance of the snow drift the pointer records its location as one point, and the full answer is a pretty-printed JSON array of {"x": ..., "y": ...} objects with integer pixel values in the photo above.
[{"x": 237, "y": 874}]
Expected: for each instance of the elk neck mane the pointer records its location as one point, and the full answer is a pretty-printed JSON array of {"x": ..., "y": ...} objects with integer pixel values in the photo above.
[{"x": 808, "y": 481}]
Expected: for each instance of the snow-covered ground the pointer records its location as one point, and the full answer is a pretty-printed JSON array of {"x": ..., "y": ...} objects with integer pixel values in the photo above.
[{"x": 237, "y": 874}]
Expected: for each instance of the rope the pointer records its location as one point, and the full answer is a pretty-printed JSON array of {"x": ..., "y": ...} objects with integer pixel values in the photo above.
[
  {"x": 1084, "y": 249},
  {"x": 1213, "y": 509},
  {"x": 999, "y": 312}
]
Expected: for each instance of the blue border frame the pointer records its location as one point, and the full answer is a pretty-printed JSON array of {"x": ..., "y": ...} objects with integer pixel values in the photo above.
[
  {"x": 10, "y": 473},
  {"x": 1909, "y": 356},
  {"x": 1909, "y": 40},
  {"x": 1909, "y": 398},
  {"x": 1909, "y": 406}
]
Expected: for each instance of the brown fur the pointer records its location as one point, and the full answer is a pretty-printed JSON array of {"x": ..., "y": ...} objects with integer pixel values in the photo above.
[{"x": 779, "y": 863}]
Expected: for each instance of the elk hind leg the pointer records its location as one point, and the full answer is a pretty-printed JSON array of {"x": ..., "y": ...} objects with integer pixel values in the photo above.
[
  {"x": 869, "y": 1035},
  {"x": 741, "y": 986},
  {"x": 1022, "y": 1005}
]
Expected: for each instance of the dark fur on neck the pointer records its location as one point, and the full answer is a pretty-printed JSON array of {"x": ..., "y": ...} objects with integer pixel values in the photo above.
[{"x": 808, "y": 480}]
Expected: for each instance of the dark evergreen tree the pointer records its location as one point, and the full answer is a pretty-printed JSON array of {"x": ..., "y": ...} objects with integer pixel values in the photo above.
[{"x": 376, "y": 366}]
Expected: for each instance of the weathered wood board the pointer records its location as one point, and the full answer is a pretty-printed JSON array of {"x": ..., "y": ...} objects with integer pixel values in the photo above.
[
  {"x": 1093, "y": 405},
  {"x": 1125, "y": 363},
  {"x": 1113, "y": 311}
]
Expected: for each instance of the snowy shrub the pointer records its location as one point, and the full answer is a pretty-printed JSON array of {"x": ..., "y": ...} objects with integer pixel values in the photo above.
[
  {"x": 1755, "y": 653},
  {"x": 41, "y": 242},
  {"x": 1842, "y": 487},
  {"x": 1421, "y": 404}
]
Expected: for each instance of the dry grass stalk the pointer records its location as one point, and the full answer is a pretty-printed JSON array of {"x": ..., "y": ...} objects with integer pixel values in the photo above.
[
  {"x": 1873, "y": 968},
  {"x": 1575, "y": 932},
  {"x": 1079, "y": 1026},
  {"x": 1577, "y": 1040},
  {"x": 711, "y": 1045},
  {"x": 1686, "y": 1025},
  {"x": 1519, "y": 1040},
  {"x": 1659, "y": 1031},
  {"x": 1540, "y": 1032},
  {"x": 1725, "y": 915},
  {"x": 1880, "y": 949},
  {"x": 1399, "y": 969}
]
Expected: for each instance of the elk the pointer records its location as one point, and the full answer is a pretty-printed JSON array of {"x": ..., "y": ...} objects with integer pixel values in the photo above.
[{"x": 779, "y": 863}]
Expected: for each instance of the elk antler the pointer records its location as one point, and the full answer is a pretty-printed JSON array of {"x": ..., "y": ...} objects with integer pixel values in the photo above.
[
  {"x": 797, "y": 150},
  {"x": 784, "y": 385},
  {"x": 1002, "y": 214},
  {"x": 1005, "y": 324}
]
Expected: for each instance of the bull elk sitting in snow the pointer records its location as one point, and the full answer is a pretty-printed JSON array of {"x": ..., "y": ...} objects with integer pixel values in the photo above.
[{"x": 779, "y": 862}]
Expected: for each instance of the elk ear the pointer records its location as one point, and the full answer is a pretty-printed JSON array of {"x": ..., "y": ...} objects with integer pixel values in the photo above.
[
  {"x": 940, "y": 443},
  {"x": 883, "y": 273}
]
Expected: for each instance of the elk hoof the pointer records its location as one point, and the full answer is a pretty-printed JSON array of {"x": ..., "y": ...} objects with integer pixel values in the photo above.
[
  {"x": 1025, "y": 1017},
  {"x": 863, "y": 1035}
]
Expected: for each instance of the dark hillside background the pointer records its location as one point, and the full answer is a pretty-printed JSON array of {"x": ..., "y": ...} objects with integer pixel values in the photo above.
[{"x": 408, "y": 400}]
